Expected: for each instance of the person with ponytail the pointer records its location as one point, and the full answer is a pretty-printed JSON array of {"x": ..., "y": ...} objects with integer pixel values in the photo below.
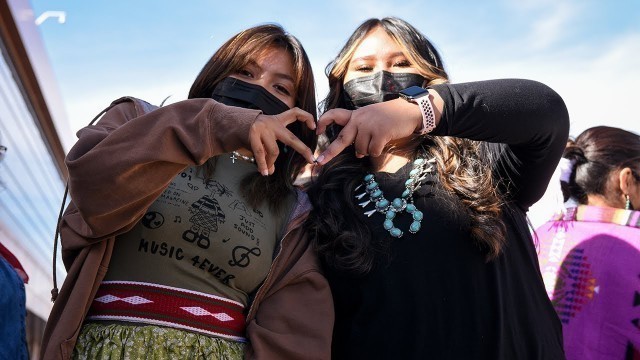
[
  {"x": 420, "y": 204},
  {"x": 590, "y": 254}
]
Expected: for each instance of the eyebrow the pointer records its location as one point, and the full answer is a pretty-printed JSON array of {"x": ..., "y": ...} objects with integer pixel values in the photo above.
[
  {"x": 372, "y": 57},
  {"x": 285, "y": 77},
  {"x": 278, "y": 75}
]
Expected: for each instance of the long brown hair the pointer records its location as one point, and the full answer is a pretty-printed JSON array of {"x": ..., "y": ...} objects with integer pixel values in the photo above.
[
  {"x": 231, "y": 57},
  {"x": 340, "y": 236}
]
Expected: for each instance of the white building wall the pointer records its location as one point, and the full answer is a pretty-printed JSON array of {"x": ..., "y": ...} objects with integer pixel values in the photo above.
[{"x": 30, "y": 191}]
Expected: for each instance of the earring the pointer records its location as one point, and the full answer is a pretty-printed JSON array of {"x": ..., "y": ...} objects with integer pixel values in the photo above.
[{"x": 627, "y": 202}]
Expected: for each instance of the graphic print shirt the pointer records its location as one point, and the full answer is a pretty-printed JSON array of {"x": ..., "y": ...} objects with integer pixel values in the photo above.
[{"x": 202, "y": 235}]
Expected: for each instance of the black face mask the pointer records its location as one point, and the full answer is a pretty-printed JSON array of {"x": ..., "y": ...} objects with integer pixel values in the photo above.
[
  {"x": 379, "y": 87},
  {"x": 234, "y": 92}
]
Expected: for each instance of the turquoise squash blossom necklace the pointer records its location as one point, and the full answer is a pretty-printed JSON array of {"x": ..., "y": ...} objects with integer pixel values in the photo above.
[{"x": 421, "y": 167}]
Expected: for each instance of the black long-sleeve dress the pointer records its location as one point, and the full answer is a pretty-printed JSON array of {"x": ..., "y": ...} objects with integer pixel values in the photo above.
[{"x": 433, "y": 295}]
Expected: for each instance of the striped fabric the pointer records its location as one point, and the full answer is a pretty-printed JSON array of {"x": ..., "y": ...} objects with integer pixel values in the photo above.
[
  {"x": 139, "y": 302},
  {"x": 603, "y": 214}
]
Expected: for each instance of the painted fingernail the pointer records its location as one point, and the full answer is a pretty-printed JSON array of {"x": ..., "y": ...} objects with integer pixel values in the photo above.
[
  {"x": 265, "y": 172},
  {"x": 319, "y": 159}
]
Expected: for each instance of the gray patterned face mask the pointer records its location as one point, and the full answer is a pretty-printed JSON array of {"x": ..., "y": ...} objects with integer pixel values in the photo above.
[
  {"x": 234, "y": 92},
  {"x": 379, "y": 87}
]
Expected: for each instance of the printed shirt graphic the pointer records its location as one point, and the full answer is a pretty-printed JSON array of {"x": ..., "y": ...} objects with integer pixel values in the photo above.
[
  {"x": 590, "y": 262},
  {"x": 202, "y": 235}
]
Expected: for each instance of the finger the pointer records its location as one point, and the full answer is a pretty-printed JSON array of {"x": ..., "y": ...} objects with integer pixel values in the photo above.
[
  {"x": 288, "y": 138},
  {"x": 259, "y": 153},
  {"x": 377, "y": 144},
  {"x": 333, "y": 116},
  {"x": 296, "y": 114},
  {"x": 271, "y": 149},
  {"x": 361, "y": 144},
  {"x": 344, "y": 139},
  {"x": 272, "y": 169}
]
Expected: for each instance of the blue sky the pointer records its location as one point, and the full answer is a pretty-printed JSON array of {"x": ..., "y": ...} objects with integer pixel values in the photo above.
[{"x": 587, "y": 50}]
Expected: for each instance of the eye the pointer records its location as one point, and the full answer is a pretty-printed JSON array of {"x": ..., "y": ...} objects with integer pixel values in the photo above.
[
  {"x": 282, "y": 89},
  {"x": 402, "y": 63},
  {"x": 245, "y": 72},
  {"x": 364, "y": 68}
]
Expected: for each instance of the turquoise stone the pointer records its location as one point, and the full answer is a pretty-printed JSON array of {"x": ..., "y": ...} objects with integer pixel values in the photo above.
[
  {"x": 372, "y": 186},
  {"x": 411, "y": 208},
  {"x": 406, "y": 193},
  {"x": 398, "y": 203},
  {"x": 408, "y": 182},
  {"x": 417, "y": 215},
  {"x": 390, "y": 215},
  {"x": 414, "y": 172},
  {"x": 368, "y": 177},
  {"x": 388, "y": 224},
  {"x": 415, "y": 227},
  {"x": 382, "y": 204},
  {"x": 418, "y": 162},
  {"x": 376, "y": 193},
  {"x": 395, "y": 232}
]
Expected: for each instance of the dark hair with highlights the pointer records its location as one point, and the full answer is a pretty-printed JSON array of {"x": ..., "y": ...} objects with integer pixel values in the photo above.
[
  {"x": 464, "y": 166},
  {"x": 230, "y": 58}
]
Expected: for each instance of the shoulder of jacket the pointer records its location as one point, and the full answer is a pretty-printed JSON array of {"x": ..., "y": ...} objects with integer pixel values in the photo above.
[{"x": 142, "y": 107}]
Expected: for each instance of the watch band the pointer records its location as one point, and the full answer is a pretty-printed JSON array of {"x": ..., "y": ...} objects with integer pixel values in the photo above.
[{"x": 428, "y": 115}]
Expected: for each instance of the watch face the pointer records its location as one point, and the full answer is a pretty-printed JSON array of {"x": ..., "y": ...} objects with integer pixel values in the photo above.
[{"x": 413, "y": 91}]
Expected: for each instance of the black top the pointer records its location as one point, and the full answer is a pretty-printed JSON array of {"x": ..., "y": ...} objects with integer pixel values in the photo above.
[{"x": 433, "y": 295}]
